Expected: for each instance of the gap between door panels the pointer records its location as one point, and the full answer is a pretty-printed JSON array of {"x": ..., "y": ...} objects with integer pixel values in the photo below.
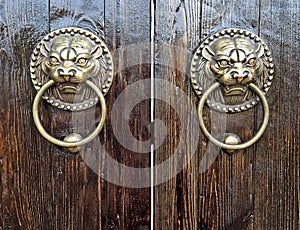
[{"x": 152, "y": 7}]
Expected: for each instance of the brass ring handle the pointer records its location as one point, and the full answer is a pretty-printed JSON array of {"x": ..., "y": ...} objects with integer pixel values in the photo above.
[
  {"x": 58, "y": 142},
  {"x": 234, "y": 146}
]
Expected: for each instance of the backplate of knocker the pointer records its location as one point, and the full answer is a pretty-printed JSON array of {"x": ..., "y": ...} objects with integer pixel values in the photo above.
[
  {"x": 72, "y": 69},
  {"x": 231, "y": 72}
]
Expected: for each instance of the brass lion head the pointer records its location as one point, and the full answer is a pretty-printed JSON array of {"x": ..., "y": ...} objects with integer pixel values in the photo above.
[
  {"x": 70, "y": 57},
  {"x": 234, "y": 62},
  {"x": 234, "y": 58},
  {"x": 70, "y": 61}
]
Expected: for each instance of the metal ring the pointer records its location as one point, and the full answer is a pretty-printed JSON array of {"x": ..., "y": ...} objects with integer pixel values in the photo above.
[
  {"x": 238, "y": 146},
  {"x": 35, "y": 109}
]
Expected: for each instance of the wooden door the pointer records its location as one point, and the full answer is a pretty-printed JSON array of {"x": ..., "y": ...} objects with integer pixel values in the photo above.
[
  {"x": 258, "y": 187},
  {"x": 44, "y": 187}
]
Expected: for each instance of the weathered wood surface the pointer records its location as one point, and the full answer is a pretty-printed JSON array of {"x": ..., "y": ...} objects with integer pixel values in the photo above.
[
  {"x": 276, "y": 166},
  {"x": 257, "y": 188},
  {"x": 43, "y": 187}
]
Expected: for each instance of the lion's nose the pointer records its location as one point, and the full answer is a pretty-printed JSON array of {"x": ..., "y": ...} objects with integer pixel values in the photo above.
[
  {"x": 66, "y": 74},
  {"x": 240, "y": 75}
]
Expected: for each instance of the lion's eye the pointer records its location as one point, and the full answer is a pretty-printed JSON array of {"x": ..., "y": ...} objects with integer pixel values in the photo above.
[
  {"x": 251, "y": 62},
  {"x": 223, "y": 63},
  {"x": 53, "y": 60},
  {"x": 82, "y": 61}
]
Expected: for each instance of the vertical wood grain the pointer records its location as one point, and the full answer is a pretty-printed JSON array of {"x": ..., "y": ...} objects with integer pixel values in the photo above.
[
  {"x": 276, "y": 168},
  {"x": 104, "y": 205},
  {"x": 222, "y": 196},
  {"x": 43, "y": 186},
  {"x": 78, "y": 190},
  {"x": 171, "y": 40},
  {"x": 234, "y": 182},
  {"x": 127, "y": 26},
  {"x": 27, "y": 191}
]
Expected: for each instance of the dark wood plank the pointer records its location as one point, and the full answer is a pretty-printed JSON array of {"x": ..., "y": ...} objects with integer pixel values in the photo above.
[
  {"x": 127, "y": 25},
  {"x": 276, "y": 166},
  {"x": 104, "y": 205},
  {"x": 78, "y": 191},
  {"x": 234, "y": 194},
  {"x": 170, "y": 39},
  {"x": 26, "y": 165},
  {"x": 222, "y": 196}
]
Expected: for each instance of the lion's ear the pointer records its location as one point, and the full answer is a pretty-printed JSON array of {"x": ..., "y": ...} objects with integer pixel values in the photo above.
[
  {"x": 259, "y": 51},
  {"x": 208, "y": 53},
  {"x": 96, "y": 52},
  {"x": 45, "y": 50}
]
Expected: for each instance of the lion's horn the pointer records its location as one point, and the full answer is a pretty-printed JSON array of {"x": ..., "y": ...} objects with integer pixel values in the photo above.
[
  {"x": 208, "y": 53},
  {"x": 97, "y": 52},
  {"x": 45, "y": 50},
  {"x": 260, "y": 51}
]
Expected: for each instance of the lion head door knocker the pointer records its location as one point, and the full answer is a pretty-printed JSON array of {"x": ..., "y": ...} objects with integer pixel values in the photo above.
[
  {"x": 72, "y": 69},
  {"x": 231, "y": 72}
]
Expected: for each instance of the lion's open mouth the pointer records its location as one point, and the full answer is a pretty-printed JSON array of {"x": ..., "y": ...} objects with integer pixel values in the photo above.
[
  {"x": 234, "y": 90},
  {"x": 69, "y": 87}
]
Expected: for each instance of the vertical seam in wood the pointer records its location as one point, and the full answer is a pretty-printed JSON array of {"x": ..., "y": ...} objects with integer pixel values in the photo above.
[
  {"x": 201, "y": 21},
  {"x": 253, "y": 165},
  {"x": 152, "y": 70},
  {"x": 49, "y": 16}
]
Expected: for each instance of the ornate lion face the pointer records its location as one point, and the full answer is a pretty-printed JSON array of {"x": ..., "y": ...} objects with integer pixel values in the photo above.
[
  {"x": 71, "y": 56},
  {"x": 234, "y": 58},
  {"x": 70, "y": 61},
  {"x": 235, "y": 63}
]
